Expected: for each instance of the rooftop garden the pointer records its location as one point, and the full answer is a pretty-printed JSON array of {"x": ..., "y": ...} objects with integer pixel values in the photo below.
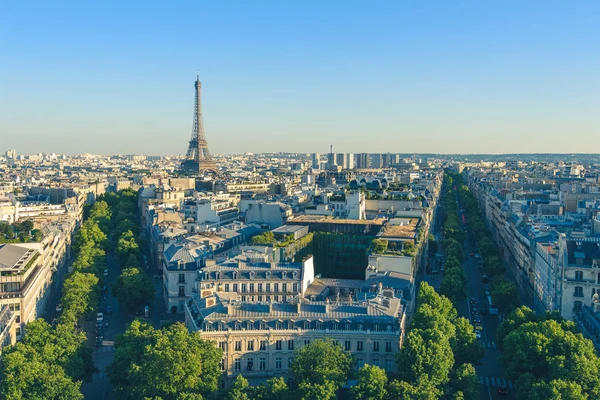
[{"x": 19, "y": 232}]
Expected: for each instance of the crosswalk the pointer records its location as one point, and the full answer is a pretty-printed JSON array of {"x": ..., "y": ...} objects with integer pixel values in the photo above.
[
  {"x": 495, "y": 381},
  {"x": 105, "y": 349}
]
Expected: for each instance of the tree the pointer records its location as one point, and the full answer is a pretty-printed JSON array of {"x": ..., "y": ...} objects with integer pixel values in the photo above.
[
  {"x": 427, "y": 317},
  {"x": 371, "y": 383},
  {"x": 428, "y": 295},
  {"x": 133, "y": 288},
  {"x": 320, "y": 363},
  {"x": 273, "y": 389},
  {"x": 426, "y": 354},
  {"x": 379, "y": 246},
  {"x": 465, "y": 346},
  {"x": 453, "y": 284},
  {"x": 504, "y": 294},
  {"x": 433, "y": 246},
  {"x": 80, "y": 295},
  {"x": 548, "y": 351},
  {"x": 325, "y": 390},
  {"x": 513, "y": 321},
  {"x": 556, "y": 389},
  {"x": 464, "y": 380},
  {"x": 264, "y": 238},
  {"x": 26, "y": 376},
  {"x": 239, "y": 390},
  {"x": 423, "y": 390},
  {"x": 164, "y": 362}
]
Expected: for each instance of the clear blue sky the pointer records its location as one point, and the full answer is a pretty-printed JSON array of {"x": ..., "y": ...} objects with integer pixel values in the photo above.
[{"x": 399, "y": 76}]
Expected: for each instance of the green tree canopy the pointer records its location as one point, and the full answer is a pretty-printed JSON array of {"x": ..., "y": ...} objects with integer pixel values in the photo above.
[
  {"x": 166, "y": 362},
  {"x": 321, "y": 362},
  {"x": 133, "y": 288},
  {"x": 371, "y": 384}
]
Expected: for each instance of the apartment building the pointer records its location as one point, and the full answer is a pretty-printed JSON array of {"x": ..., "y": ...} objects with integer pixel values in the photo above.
[
  {"x": 31, "y": 272},
  {"x": 7, "y": 321},
  {"x": 257, "y": 313}
]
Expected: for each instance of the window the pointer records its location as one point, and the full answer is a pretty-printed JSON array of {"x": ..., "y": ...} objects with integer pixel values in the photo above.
[
  {"x": 359, "y": 345},
  {"x": 284, "y": 287},
  {"x": 222, "y": 364},
  {"x": 237, "y": 364},
  {"x": 252, "y": 288},
  {"x": 18, "y": 331},
  {"x": 376, "y": 362},
  {"x": 181, "y": 291},
  {"x": 277, "y": 325},
  {"x": 306, "y": 342},
  {"x": 275, "y": 298},
  {"x": 250, "y": 364},
  {"x": 577, "y": 305},
  {"x": 375, "y": 346},
  {"x": 278, "y": 345},
  {"x": 290, "y": 360},
  {"x": 360, "y": 363},
  {"x": 18, "y": 319},
  {"x": 223, "y": 346},
  {"x": 295, "y": 287},
  {"x": 578, "y": 291},
  {"x": 262, "y": 364},
  {"x": 388, "y": 365},
  {"x": 181, "y": 278},
  {"x": 235, "y": 287},
  {"x": 290, "y": 344},
  {"x": 276, "y": 287},
  {"x": 348, "y": 326},
  {"x": 263, "y": 344},
  {"x": 260, "y": 287},
  {"x": 388, "y": 346},
  {"x": 227, "y": 287},
  {"x": 244, "y": 288},
  {"x": 376, "y": 327},
  {"x": 277, "y": 362},
  {"x": 578, "y": 275},
  {"x": 359, "y": 327},
  {"x": 347, "y": 345},
  {"x": 336, "y": 343},
  {"x": 250, "y": 345},
  {"x": 268, "y": 287},
  {"x": 260, "y": 298},
  {"x": 319, "y": 325},
  {"x": 334, "y": 326},
  {"x": 238, "y": 345}
]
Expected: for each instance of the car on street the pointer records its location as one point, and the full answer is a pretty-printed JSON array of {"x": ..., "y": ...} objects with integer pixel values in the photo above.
[
  {"x": 99, "y": 318},
  {"x": 471, "y": 254},
  {"x": 484, "y": 278},
  {"x": 476, "y": 319},
  {"x": 478, "y": 327},
  {"x": 502, "y": 389},
  {"x": 59, "y": 308},
  {"x": 483, "y": 310},
  {"x": 109, "y": 309},
  {"x": 478, "y": 334},
  {"x": 473, "y": 301}
]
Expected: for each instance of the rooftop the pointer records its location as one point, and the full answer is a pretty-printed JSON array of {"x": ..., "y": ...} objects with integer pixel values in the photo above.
[
  {"x": 400, "y": 228},
  {"x": 332, "y": 220},
  {"x": 14, "y": 257}
]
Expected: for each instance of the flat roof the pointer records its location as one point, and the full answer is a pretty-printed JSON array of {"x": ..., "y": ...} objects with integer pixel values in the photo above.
[
  {"x": 404, "y": 230},
  {"x": 331, "y": 220},
  {"x": 288, "y": 229}
]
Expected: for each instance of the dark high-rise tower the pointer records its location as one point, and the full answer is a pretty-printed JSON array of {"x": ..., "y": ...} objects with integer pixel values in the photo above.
[{"x": 198, "y": 158}]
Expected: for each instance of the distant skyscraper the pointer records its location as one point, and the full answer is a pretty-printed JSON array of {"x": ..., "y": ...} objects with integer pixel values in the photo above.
[
  {"x": 316, "y": 159},
  {"x": 376, "y": 160},
  {"x": 198, "y": 158},
  {"x": 340, "y": 159},
  {"x": 349, "y": 161},
  {"x": 330, "y": 156},
  {"x": 362, "y": 161},
  {"x": 11, "y": 154}
]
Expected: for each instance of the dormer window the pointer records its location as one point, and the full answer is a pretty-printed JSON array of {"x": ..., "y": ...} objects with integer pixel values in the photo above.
[
  {"x": 234, "y": 275},
  {"x": 295, "y": 274},
  {"x": 206, "y": 276},
  {"x": 283, "y": 275},
  {"x": 251, "y": 274},
  {"x": 268, "y": 274},
  {"x": 218, "y": 275}
]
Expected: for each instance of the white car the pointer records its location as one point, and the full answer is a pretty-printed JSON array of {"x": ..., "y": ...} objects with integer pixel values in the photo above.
[
  {"x": 478, "y": 334},
  {"x": 100, "y": 317},
  {"x": 58, "y": 308}
]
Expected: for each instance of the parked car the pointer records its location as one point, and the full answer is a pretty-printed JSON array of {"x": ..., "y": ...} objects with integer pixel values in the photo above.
[
  {"x": 471, "y": 254},
  {"x": 59, "y": 308},
  {"x": 478, "y": 334},
  {"x": 109, "y": 309},
  {"x": 99, "y": 318},
  {"x": 484, "y": 278},
  {"x": 473, "y": 301},
  {"x": 483, "y": 310},
  {"x": 476, "y": 319},
  {"x": 478, "y": 327}
]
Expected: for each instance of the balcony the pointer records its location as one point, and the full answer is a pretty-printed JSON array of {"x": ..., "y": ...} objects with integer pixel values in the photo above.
[{"x": 577, "y": 294}]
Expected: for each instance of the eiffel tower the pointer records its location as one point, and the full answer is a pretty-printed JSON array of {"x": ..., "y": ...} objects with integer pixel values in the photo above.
[{"x": 198, "y": 159}]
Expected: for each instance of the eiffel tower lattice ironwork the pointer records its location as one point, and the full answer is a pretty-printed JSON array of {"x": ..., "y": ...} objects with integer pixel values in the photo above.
[{"x": 198, "y": 158}]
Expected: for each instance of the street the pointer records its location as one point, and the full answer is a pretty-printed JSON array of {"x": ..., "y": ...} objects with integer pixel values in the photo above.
[
  {"x": 99, "y": 388},
  {"x": 490, "y": 371}
]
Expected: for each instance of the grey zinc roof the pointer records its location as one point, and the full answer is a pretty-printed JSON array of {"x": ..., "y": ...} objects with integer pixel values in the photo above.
[{"x": 10, "y": 255}]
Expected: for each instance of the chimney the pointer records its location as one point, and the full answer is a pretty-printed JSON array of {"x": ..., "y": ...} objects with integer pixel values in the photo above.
[{"x": 379, "y": 287}]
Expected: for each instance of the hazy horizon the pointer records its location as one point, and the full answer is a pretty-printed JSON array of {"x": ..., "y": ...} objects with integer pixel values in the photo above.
[{"x": 445, "y": 78}]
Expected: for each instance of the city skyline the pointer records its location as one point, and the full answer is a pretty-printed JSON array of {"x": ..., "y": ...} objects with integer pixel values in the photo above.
[{"x": 481, "y": 79}]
